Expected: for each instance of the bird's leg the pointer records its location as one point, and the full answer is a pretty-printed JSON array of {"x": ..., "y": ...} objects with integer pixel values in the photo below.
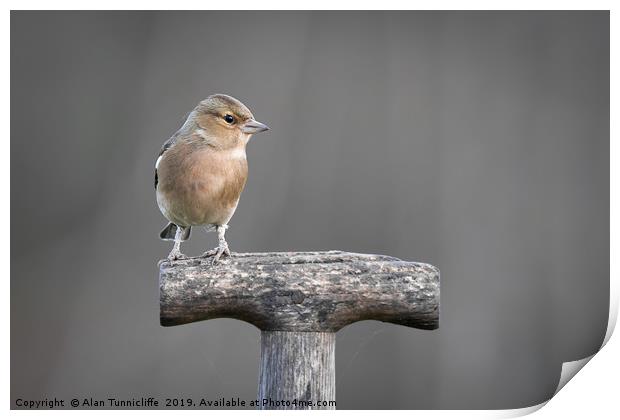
[
  {"x": 175, "y": 254},
  {"x": 222, "y": 248}
]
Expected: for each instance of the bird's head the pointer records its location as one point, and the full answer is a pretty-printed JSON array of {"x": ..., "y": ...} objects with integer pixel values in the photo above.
[{"x": 226, "y": 120}]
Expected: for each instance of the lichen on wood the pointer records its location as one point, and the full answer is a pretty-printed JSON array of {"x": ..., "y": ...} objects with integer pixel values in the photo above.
[{"x": 300, "y": 291}]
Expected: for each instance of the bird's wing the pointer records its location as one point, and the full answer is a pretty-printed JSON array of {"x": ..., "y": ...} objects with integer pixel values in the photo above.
[{"x": 167, "y": 145}]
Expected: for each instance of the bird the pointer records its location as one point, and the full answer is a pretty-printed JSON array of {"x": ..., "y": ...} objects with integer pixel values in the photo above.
[{"x": 202, "y": 169}]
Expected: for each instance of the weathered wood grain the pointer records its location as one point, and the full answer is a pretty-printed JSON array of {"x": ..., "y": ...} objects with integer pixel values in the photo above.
[
  {"x": 300, "y": 291},
  {"x": 297, "y": 371}
]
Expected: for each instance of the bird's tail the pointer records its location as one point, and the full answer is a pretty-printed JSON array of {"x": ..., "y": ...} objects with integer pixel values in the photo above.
[{"x": 170, "y": 231}]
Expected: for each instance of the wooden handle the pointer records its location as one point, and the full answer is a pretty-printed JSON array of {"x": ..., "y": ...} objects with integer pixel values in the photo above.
[
  {"x": 300, "y": 291},
  {"x": 297, "y": 371}
]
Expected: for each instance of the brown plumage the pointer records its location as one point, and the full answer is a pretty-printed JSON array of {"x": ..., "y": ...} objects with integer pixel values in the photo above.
[{"x": 202, "y": 169}]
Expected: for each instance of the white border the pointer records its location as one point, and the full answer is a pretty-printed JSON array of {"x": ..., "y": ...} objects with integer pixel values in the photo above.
[
  {"x": 594, "y": 393},
  {"x": 310, "y": 5}
]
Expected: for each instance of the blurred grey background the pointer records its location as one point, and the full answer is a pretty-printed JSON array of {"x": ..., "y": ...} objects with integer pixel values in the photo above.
[{"x": 474, "y": 141}]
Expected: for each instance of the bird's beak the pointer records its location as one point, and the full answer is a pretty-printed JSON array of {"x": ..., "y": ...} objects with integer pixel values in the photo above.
[{"x": 253, "y": 127}]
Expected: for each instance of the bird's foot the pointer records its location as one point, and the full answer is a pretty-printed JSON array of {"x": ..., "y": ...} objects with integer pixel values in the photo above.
[
  {"x": 217, "y": 253},
  {"x": 176, "y": 255}
]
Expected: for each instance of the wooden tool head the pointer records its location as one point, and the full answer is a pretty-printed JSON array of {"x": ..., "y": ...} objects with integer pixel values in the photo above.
[{"x": 300, "y": 291}]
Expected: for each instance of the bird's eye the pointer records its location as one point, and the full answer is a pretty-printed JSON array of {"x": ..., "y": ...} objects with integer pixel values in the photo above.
[{"x": 229, "y": 118}]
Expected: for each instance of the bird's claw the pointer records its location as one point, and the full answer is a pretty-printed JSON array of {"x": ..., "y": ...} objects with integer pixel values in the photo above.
[
  {"x": 217, "y": 253},
  {"x": 176, "y": 255}
]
